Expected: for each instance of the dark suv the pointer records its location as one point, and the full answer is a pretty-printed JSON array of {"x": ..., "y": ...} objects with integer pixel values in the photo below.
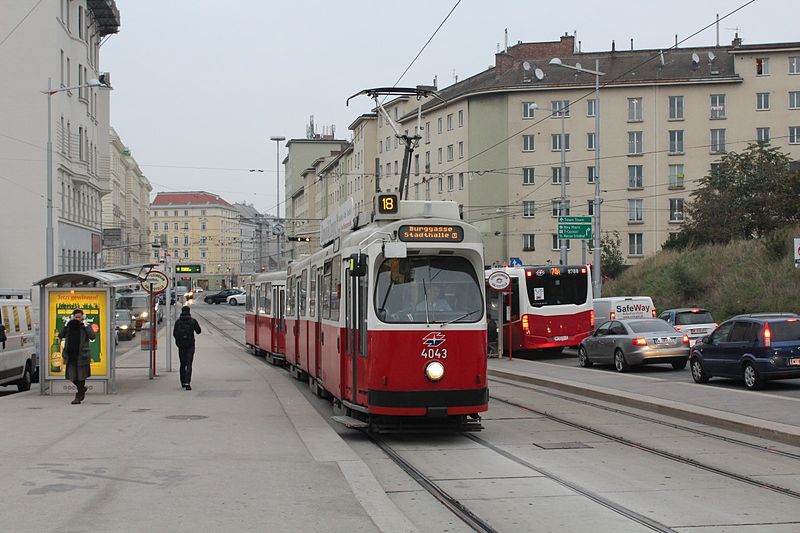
[
  {"x": 755, "y": 348},
  {"x": 221, "y": 297}
]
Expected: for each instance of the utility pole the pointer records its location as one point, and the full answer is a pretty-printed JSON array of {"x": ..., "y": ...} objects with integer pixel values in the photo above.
[{"x": 278, "y": 139}]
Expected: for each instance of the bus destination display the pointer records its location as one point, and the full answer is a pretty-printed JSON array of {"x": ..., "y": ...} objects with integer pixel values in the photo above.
[{"x": 431, "y": 233}]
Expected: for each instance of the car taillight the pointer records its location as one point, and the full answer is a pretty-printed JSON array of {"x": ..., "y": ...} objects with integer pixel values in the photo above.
[
  {"x": 653, "y": 312},
  {"x": 591, "y": 318},
  {"x": 525, "y": 325},
  {"x": 641, "y": 341},
  {"x": 677, "y": 328},
  {"x": 612, "y": 315},
  {"x": 767, "y": 336},
  {"x": 686, "y": 339}
]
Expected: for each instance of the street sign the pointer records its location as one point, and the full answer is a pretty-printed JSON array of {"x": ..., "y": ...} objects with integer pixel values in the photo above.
[
  {"x": 515, "y": 262},
  {"x": 157, "y": 279},
  {"x": 575, "y": 227},
  {"x": 499, "y": 280},
  {"x": 797, "y": 253}
]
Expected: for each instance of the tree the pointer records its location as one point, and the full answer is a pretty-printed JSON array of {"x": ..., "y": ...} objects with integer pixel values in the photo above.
[
  {"x": 611, "y": 258},
  {"x": 746, "y": 195}
]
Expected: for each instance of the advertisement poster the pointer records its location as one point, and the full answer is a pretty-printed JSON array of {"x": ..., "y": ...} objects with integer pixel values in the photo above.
[{"x": 60, "y": 305}]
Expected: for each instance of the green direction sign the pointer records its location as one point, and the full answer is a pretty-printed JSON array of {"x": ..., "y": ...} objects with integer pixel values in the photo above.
[{"x": 575, "y": 228}]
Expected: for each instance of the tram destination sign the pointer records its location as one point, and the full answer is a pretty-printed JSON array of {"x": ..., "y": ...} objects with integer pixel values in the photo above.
[
  {"x": 574, "y": 227},
  {"x": 431, "y": 233}
]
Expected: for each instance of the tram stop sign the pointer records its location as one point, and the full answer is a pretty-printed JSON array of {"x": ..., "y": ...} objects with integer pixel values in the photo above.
[
  {"x": 499, "y": 280},
  {"x": 158, "y": 280}
]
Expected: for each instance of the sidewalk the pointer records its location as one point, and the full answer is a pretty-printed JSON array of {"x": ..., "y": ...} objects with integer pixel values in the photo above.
[
  {"x": 243, "y": 451},
  {"x": 756, "y": 413}
]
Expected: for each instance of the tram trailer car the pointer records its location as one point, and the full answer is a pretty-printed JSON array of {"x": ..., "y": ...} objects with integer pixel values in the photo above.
[
  {"x": 265, "y": 327},
  {"x": 389, "y": 319}
]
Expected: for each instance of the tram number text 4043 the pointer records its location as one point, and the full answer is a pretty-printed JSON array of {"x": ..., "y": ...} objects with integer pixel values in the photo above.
[{"x": 434, "y": 353}]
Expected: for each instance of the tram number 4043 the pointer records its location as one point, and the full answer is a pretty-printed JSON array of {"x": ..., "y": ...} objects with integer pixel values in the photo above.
[{"x": 434, "y": 353}]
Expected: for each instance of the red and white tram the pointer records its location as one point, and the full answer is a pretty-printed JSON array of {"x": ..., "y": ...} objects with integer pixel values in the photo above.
[
  {"x": 551, "y": 307},
  {"x": 389, "y": 318},
  {"x": 265, "y": 326}
]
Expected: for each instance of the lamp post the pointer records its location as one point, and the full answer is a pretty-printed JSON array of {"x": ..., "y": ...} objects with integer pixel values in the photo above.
[
  {"x": 597, "y": 283},
  {"x": 278, "y": 139},
  {"x": 50, "y": 92},
  {"x": 562, "y": 204}
]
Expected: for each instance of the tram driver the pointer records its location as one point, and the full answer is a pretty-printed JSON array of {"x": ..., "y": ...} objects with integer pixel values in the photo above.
[{"x": 435, "y": 300}]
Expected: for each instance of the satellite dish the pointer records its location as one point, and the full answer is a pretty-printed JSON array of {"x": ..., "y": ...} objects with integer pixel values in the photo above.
[
  {"x": 539, "y": 74},
  {"x": 526, "y": 66},
  {"x": 578, "y": 66},
  {"x": 712, "y": 56},
  {"x": 695, "y": 58}
]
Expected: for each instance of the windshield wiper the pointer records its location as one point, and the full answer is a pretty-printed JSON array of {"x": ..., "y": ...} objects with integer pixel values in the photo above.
[
  {"x": 425, "y": 292},
  {"x": 465, "y": 315}
]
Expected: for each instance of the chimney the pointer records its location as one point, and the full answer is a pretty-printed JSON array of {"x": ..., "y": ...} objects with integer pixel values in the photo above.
[
  {"x": 737, "y": 41},
  {"x": 613, "y": 47},
  {"x": 631, "y": 43}
]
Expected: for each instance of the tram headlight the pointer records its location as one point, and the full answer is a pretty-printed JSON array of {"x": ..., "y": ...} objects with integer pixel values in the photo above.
[{"x": 434, "y": 371}]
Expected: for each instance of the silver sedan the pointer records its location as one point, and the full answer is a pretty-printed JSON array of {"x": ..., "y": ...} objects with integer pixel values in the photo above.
[{"x": 627, "y": 343}]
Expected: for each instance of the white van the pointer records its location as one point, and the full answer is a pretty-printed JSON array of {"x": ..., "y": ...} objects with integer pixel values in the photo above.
[
  {"x": 17, "y": 342},
  {"x": 623, "y": 307}
]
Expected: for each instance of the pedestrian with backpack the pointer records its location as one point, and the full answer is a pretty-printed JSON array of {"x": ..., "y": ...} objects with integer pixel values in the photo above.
[{"x": 184, "y": 330}]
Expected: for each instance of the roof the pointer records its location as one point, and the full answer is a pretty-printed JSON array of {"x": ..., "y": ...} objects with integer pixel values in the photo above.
[
  {"x": 749, "y": 48},
  {"x": 246, "y": 210},
  {"x": 362, "y": 118},
  {"x": 93, "y": 278},
  {"x": 166, "y": 199}
]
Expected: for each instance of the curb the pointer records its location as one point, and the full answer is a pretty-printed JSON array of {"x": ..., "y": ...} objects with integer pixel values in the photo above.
[{"x": 748, "y": 425}]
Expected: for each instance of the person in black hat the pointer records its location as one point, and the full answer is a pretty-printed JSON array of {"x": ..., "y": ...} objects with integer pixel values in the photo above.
[
  {"x": 184, "y": 330},
  {"x": 76, "y": 352}
]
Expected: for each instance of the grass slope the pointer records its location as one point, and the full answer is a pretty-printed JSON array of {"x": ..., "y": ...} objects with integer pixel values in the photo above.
[{"x": 740, "y": 277}]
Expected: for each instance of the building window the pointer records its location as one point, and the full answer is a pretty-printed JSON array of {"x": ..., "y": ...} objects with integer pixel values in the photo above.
[
  {"x": 460, "y": 181},
  {"x": 591, "y": 107},
  {"x": 794, "y": 65},
  {"x": 635, "y": 211},
  {"x": 389, "y": 166},
  {"x": 717, "y": 141},
  {"x": 175, "y": 241},
  {"x": 440, "y": 184},
  {"x": 762, "y": 66},
  {"x": 449, "y": 182},
  {"x": 380, "y": 146},
  {"x": 590, "y": 141},
  {"x": 186, "y": 240},
  {"x": 635, "y": 176},
  {"x": 794, "y": 134},
  {"x": 528, "y": 110},
  {"x": 676, "y": 141},
  {"x": 591, "y": 174},
  {"x": 416, "y": 191},
  {"x": 556, "y": 174},
  {"x": 461, "y": 149},
  {"x": 155, "y": 254},
  {"x": 155, "y": 226},
  {"x": 676, "y": 107},
  {"x": 528, "y": 244},
  {"x": 635, "y": 244},
  {"x": 460, "y": 118},
  {"x": 556, "y": 243},
  {"x": 717, "y": 106},
  {"x": 203, "y": 240},
  {"x": 635, "y": 142},
  {"x": 186, "y": 254},
  {"x": 560, "y": 108},
  {"x": 440, "y": 155},
  {"x": 676, "y": 209},
  {"x": 449, "y": 152},
  {"x": 635, "y": 109},
  {"x": 528, "y": 177},
  {"x": 762, "y": 134},
  {"x": 203, "y": 226},
  {"x": 202, "y": 212},
  {"x": 794, "y": 100},
  {"x": 202, "y": 254},
  {"x": 528, "y": 208},
  {"x": 762, "y": 101},
  {"x": 439, "y": 125},
  {"x": 395, "y": 173},
  {"x": 676, "y": 177},
  {"x": 449, "y": 122},
  {"x": 555, "y": 142},
  {"x": 590, "y": 207},
  {"x": 416, "y": 164},
  {"x": 556, "y": 209},
  {"x": 427, "y": 161},
  {"x": 175, "y": 226},
  {"x": 186, "y": 226},
  {"x": 427, "y": 133},
  {"x": 528, "y": 143}
]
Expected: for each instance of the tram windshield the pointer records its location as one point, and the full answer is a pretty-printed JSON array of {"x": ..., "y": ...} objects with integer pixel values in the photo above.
[{"x": 428, "y": 289}]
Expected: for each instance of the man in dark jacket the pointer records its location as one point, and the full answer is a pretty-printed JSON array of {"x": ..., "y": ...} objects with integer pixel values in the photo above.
[
  {"x": 77, "y": 352},
  {"x": 184, "y": 330}
]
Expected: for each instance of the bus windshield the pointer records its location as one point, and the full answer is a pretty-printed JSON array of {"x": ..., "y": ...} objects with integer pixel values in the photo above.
[
  {"x": 428, "y": 289},
  {"x": 557, "y": 285}
]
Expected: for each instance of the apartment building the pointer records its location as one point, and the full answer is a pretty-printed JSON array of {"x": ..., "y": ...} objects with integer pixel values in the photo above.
[
  {"x": 126, "y": 226},
  {"x": 58, "y": 43},
  {"x": 197, "y": 227},
  {"x": 492, "y": 142}
]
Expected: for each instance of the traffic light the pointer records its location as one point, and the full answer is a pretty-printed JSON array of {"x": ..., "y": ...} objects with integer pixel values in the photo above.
[{"x": 299, "y": 239}]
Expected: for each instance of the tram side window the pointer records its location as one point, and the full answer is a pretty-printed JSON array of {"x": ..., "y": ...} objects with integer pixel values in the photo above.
[
  {"x": 290, "y": 285},
  {"x": 326, "y": 291},
  {"x": 249, "y": 304},
  {"x": 303, "y": 292},
  {"x": 6, "y": 316},
  {"x": 336, "y": 286},
  {"x": 312, "y": 294}
]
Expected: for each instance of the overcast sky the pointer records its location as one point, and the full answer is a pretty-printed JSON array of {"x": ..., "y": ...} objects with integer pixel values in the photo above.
[{"x": 203, "y": 83}]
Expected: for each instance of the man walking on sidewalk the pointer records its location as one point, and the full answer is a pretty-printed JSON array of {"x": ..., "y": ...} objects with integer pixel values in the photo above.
[{"x": 184, "y": 330}]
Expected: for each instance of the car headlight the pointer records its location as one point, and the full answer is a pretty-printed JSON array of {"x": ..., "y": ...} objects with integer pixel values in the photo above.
[
  {"x": 123, "y": 327},
  {"x": 434, "y": 370},
  {"x": 144, "y": 314}
]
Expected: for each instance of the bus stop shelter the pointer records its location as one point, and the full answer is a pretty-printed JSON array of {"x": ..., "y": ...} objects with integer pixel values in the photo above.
[{"x": 94, "y": 292}]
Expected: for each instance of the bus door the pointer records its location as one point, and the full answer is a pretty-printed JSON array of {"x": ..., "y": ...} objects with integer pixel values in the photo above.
[{"x": 512, "y": 328}]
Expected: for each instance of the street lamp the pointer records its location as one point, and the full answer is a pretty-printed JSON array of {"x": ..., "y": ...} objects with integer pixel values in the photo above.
[
  {"x": 562, "y": 204},
  {"x": 278, "y": 139},
  {"x": 597, "y": 284},
  {"x": 93, "y": 83}
]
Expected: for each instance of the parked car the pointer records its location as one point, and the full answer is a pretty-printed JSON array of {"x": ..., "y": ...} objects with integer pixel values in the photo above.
[
  {"x": 221, "y": 296},
  {"x": 124, "y": 324},
  {"x": 138, "y": 303},
  {"x": 627, "y": 343},
  {"x": 237, "y": 299},
  {"x": 694, "y": 322},
  {"x": 755, "y": 348},
  {"x": 623, "y": 308},
  {"x": 17, "y": 343}
]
